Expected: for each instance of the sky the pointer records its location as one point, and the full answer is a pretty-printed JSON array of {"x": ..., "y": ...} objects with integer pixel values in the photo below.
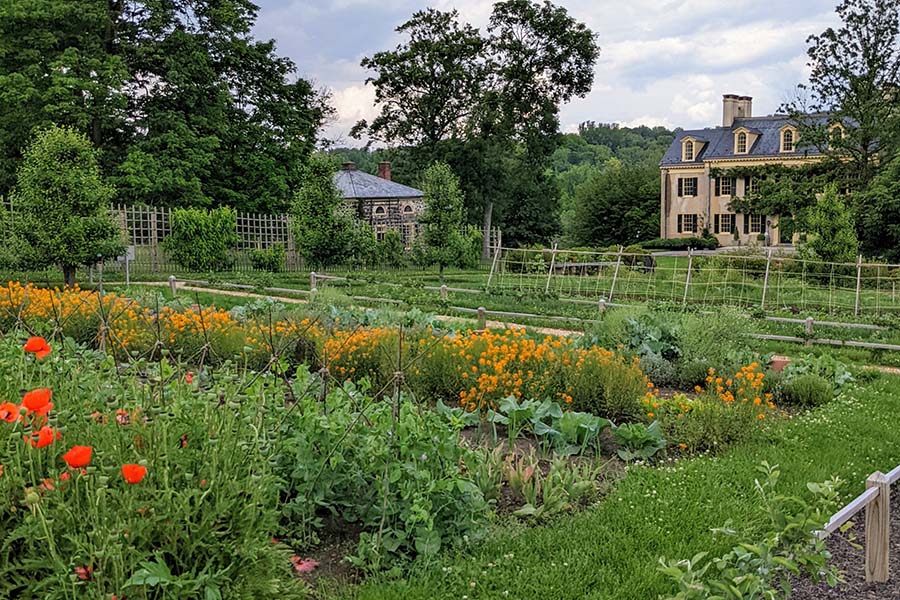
[{"x": 662, "y": 62}]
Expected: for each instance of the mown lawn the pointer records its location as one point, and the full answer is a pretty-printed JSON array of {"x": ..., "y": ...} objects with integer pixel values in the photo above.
[{"x": 611, "y": 551}]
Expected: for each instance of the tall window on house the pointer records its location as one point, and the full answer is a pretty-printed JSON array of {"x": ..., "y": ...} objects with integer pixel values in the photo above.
[
  {"x": 687, "y": 186},
  {"x": 742, "y": 143},
  {"x": 752, "y": 185},
  {"x": 787, "y": 140},
  {"x": 687, "y": 223},
  {"x": 689, "y": 150},
  {"x": 723, "y": 223},
  {"x": 725, "y": 186},
  {"x": 756, "y": 223}
]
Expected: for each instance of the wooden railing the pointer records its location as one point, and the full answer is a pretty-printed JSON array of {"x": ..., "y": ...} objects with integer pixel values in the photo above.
[{"x": 877, "y": 502}]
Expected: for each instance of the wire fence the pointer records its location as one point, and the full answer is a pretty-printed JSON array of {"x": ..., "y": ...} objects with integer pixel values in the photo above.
[{"x": 764, "y": 279}]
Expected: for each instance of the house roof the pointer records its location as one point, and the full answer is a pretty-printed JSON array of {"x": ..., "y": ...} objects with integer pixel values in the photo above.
[
  {"x": 354, "y": 185},
  {"x": 721, "y": 141}
]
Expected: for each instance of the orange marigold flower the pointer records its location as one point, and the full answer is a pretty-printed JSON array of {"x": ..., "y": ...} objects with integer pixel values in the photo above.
[
  {"x": 43, "y": 437},
  {"x": 650, "y": 415},
  {"x": 38, "y": 401},
  {"x": 78, "y": 456},
  {"x": 134, "y": 473},
  {"x": 37, "y": 346},
  {"x": 683, "y": 446},
  {"x": 9, "y": 412},
  {"x": 760, "y": 416}
]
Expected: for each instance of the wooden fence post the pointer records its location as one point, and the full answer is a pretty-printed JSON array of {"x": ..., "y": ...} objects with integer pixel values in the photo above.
[
  {"x": 809, "y": 331},
  {"x": 172, "y": 285},
  {"x": 482, "y": 317},
  {"x": 858, "y": 283},
  {"x": 601, "y": 305},
  {"x": 444, "y": 293},
  {"x": 878, "y": 529},
  {"x": 312, "y": 281},
  {"x": 687, "y": 280},
  {"x": 612, "y": 286},
  {"x": 550, "y": 270},
  {"x": 762, "y": 303},
  {"x": 494, "y": 262},
  {"x": 154, "y": 241}
]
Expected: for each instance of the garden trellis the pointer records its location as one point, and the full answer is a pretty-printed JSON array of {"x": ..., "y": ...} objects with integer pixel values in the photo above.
[
  {"x": 146, "y": 227},
  {"x": 770, "y": 280}
]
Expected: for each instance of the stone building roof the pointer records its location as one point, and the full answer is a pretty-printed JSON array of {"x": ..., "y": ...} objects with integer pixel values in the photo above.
[{"x": 355, "y": 184}]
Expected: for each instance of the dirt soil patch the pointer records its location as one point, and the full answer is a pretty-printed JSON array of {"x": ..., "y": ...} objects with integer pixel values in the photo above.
[{"x": 849, "y": 555}]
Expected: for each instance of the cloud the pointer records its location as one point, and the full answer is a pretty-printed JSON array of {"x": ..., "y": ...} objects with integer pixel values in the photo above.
[{"x": 662, "y": 61}]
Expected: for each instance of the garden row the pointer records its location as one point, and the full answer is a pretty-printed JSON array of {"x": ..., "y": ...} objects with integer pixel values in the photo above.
[{"x": 241, "y": 443}]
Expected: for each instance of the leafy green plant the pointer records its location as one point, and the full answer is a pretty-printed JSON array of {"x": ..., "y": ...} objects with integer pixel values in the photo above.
[
  {"x": 412, "y": 495},
  {"x": 638, "y": 441},
  {"x": 458, "y": 418},
  {"x": 270, "y": 259},
  {"x": 824, "y": 365},
  {"x": 202, "y": 240},
  {"x": 577, "y": 431},
  {"x": 807, "y": 390},
  {"x": 761, "y": 570},
  {"x": 654, "y": 336}
]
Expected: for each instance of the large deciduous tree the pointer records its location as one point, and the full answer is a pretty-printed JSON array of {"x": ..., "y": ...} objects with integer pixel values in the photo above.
[
  {"x": 619, "y": 204},
  {"x": 214, "y": 116},
  {"x": 60, "y": 205},
  {"x": 487, "y": 104},
  {"x": 854, "y": 80}
]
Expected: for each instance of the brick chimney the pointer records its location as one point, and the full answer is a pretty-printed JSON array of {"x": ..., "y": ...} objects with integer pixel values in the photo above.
[
  {"x": 735, "y": 107},
  {"x": 349, "y": 166},
  {"x": 384, "y": 170}
]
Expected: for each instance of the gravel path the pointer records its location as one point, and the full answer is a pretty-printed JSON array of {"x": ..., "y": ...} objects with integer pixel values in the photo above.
[{"x": 851, "y": 561}]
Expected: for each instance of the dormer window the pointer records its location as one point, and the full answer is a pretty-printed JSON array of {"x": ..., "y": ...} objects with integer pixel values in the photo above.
[
  {"x": 788, "y": 139},
  {"x": 836, "y": 133},
  {"x": 741, "y": 143},
  {"x": 688, "y": 151}
]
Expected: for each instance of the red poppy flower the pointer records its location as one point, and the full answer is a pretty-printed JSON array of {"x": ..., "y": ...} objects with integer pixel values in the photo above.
[
  {"x": 78, "y": 457},
  {"x": 84, "y": 573},
  {"x": 189, "y": 377},
  {"x": 38, "y": 401},
  {"x": 43, "y": 438},
  {"x": 133, "y": 473},
  {"x": 9, "y": 412},
  {"x": 37, "y": 346},
  {"x": 64, "y": 476}
]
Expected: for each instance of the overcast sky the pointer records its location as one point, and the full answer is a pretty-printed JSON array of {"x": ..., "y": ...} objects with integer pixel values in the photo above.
[{"x": 662, "y": 62}]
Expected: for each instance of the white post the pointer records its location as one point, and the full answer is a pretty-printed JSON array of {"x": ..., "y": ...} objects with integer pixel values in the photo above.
[
  {"x": 172, "y": 286},
  {"x": 444, "y": 293},
  {"x": 687, "y": 280},
  {"x": 601, "y": 305},
  {"x": 762, "y": 303},
  {"x": 858, "y": 283},
  {"x": 494, "y": 262},
  {"x": 312, "y": 281},
  {"x": 809, "y": 331},
  {"x": 878, "y": 529},
  {"x": 550, "y": 270},
  {"x": 482, "y": 317},
  {"x": 612, "y": 286}
]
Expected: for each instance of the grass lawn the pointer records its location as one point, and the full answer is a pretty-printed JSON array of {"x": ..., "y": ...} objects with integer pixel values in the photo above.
[{"x": 611, "y": 551}]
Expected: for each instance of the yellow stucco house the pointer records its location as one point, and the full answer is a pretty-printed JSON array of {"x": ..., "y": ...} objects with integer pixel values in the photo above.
[{"x": 693, "y": 200}]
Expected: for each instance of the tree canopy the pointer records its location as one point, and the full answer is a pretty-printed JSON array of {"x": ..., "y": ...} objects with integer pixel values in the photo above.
[
  {"x": 486, "y": 104},
  {"x": 184, "y": 105},
  {"x": 60, "y": 205}
]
